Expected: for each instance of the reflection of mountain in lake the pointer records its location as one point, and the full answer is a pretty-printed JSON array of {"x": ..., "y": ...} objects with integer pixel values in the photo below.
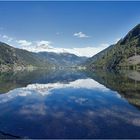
[
  {"x": 11, "y": 80},
  {"x": 135, "y": 75},
  {"x": 69, "y": 104},
  {"x": 127, "y": 83},
  {"x": 81, "y": 108},
  {"x": 45, "y": 89}
]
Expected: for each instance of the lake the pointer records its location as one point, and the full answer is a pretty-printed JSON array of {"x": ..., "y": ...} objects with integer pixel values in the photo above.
[{"x": 70, "y": 104}]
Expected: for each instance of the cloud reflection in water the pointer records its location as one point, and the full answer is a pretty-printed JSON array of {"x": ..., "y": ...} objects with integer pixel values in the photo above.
[{"x": 79, "y": 109}]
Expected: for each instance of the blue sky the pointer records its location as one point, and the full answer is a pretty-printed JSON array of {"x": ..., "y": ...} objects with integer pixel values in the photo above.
[{"x": 67, "y": 24}]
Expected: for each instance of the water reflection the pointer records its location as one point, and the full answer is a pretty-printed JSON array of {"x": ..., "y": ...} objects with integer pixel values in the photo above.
[
  {"x": 135, "y": 75},
  {"x": 46, "y": 89},
  {"x": 71, "y": 104},
  {"x": 12, "y": 80},
  {"x": 126, "y": 83}
]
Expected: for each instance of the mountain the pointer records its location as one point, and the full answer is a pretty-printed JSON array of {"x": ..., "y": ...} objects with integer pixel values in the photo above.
[
  {"x": 92, "y": 61},
  {"x": 13, "y": 58},
  {"x": 63, "y": 59},
  {"x": 125, "y": 53}
]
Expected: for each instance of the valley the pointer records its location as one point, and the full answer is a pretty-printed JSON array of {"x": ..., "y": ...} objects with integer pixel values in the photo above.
[{"x": 125, "y": 54}]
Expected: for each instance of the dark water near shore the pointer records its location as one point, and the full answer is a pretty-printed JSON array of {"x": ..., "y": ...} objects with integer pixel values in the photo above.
[{"x": 70, "y": 104}]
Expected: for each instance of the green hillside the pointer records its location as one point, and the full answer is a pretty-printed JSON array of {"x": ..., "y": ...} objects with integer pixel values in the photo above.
[
  {"x": 11, "y": 57},
  {"x": 125, "y": 53}
]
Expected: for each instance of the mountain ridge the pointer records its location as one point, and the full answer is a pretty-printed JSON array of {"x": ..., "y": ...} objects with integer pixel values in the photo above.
[
  {"x": 63, "y": 59},
  {"x": 118, "y": 55},
  {"x": 15, "y": 58}
]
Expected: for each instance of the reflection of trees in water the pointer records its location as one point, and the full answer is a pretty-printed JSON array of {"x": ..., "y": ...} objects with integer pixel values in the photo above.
[
  {"x": 134, "y": 75},
  {"x": 127, "y": 83},
  {"x": 12, "y": 80}
]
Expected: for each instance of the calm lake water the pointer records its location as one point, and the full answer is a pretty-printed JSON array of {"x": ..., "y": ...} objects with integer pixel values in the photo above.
[{"x": 70, "y": 104}]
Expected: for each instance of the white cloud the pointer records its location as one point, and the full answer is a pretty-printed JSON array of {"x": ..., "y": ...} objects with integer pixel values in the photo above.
[
  {"x": 80, "y": 35},
  {"x": 5, "y": 36},
  {"x": 9, "y": 39},
  {"x": 45, "y": 89},
  {"x": 46, "y": 46},
  {"x": 86, "y": 51},
  {"x": 80, "y": 83},
  {"x": 34, "y": 109},
  {"x": 43, "y": 44},
  {"x": 24, "y": 43}
]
